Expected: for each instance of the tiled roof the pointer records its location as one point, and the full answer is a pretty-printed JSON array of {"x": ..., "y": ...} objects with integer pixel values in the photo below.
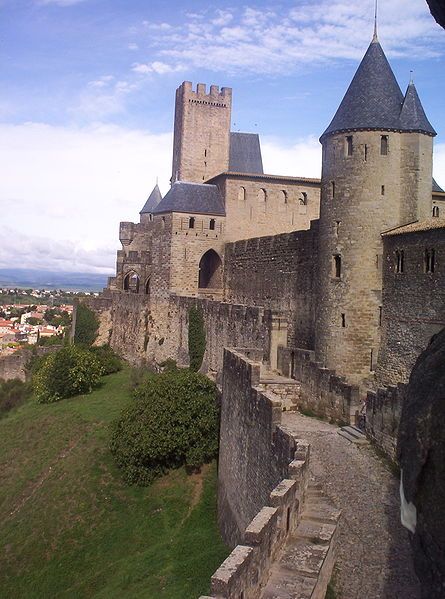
[
  {"x": 197, "y": 198},
  {"x": 375, "y": 101},
  {"x": 436, "y": 187},
  {"x": 153, "y": 200},
  {"x": 245, "y": 153},
  {"x": 424, "y": 225}
]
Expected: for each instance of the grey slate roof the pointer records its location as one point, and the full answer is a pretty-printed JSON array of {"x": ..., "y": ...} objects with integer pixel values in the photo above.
[
  {"x": 412, "y": 115},
  {"x": 245, "y": 153},
  {"x": 374, "y": 100},
  {"x": 197, "y": 198},
  {"x": 437, "y": 187},
  {"x": 153, "y": 200}
]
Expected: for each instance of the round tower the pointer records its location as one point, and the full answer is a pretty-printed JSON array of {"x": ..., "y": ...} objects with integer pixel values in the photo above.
[{"x": 376, "y": 175}]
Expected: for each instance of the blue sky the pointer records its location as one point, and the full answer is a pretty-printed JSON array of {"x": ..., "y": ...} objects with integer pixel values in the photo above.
[{"x": 87, "y": 89}]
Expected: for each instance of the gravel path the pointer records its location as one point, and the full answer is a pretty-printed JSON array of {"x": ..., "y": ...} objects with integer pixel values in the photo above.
[{"x": 374, "y": 555}]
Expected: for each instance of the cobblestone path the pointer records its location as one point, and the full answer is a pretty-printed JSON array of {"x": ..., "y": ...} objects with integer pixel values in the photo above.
[{"x": 374, "y": 555}]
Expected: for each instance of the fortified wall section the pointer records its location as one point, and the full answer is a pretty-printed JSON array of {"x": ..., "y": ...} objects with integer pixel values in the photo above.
[
  {"x": 255, "y": 452},
  {"x": 278, "y": 272},
  {"x": 413, "y": 297},
  {"x": 146, "y": 331},
  {"x": 383, "y": 412},
  {"x": 14, "y": 366},
  {"x": 321, "y": 391}
]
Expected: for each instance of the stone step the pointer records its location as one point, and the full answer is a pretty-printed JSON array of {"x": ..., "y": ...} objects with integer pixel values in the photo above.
[{"x": 353, "y": 435}]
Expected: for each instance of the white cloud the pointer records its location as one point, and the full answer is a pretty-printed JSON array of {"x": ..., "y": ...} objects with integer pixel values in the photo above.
[
  {"x": 301, "y": 159},
  {"x": 133, "y": 46},
  {"x": 79, "y": 184},
  {"x": 251, "y": 39},
  {"x": 439, "y": 164},
  {"x": 160, "y": 68}
]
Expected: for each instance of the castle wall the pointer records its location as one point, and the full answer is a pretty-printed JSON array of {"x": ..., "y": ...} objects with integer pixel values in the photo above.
[
  {"x": 259, "y": 205},
  {"x": 201, "y": 132},
  {"x": 14, "y": 365},
  {"x": 416, "y": 175},
  {"x": 252, "y": 459},
  {"x": 362, "y": 196},
  {"x": 278, "y": 273},
  {"x": 383, "y": 412},
  {"x": 413, "y": 301}
]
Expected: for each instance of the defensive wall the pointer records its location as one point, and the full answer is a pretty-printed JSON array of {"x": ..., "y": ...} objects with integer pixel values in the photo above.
[
  {"x": 262, "y": 492},
  {"x": 383, "y": 412},
  {"x": 278, "y": 272},
  {"x": 14, "y": 365}
]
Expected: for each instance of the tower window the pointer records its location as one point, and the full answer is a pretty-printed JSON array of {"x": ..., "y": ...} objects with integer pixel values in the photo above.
[
  {"x": 384, "y": 145},
  {"x": 284, "y": 195},
  {"x": 303, "y": 199},
  {"x": 343, "y": 320},
  {"x": 383, "y": 190},
  {"x": 191, "y": 222},
  {"x": 435, "y": 210},
  {"x": 212, "y": 224},
  {"x": 242, "y": 193},
  {"x": 349, "y": 147},
  {"x": 262, "y": 195},
  {"x": 337, "y": 266},
  {"x": 333, "y": 188},
  {"x": 366, "y": 153},
  {"x": 400, "y": 261},
  {"x": 429, "y": 260},
  {"x": 205, "y": 153}
]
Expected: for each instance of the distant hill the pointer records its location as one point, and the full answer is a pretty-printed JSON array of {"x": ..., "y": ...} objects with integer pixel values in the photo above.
[{"x": 46, "y": 279}]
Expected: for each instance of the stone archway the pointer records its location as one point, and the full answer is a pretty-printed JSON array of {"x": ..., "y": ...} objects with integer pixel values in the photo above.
[
  {"x": 210, "y": 271},
  {"x": 131, "y": 282}
]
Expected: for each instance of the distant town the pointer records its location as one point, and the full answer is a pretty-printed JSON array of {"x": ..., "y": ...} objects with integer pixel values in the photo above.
[{"x": 30, "y": 317}]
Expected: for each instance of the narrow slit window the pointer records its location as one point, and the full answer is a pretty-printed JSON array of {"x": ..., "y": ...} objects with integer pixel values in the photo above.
[
  {"x": 349, "y": 146},
  {"x": 333, "y": 188},
  {"x": 383, "y": 190},
  {"x": 343, "y": 320},
  {"x": 384, "y": 145},
  {"x": 380, "y": 316},
  {"x": 366, "y": 153},
  {"x": 400, "y": 261},
  {"x": 429, "y": 260},
  {"x": 212, "y": 224},
  {"x": 435, "y": 211},
  {"x": 337, "y": 266},
  {"x": 191, "y": 222}
]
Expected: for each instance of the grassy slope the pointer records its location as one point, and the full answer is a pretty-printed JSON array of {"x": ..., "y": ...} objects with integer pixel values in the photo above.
[{"x": 70, "y": 528}]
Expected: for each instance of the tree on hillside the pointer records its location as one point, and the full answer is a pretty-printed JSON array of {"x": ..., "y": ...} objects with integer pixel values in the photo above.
[{"x": 87, "y": 326}]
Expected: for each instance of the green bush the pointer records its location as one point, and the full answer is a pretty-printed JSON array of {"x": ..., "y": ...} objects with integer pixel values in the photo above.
[
  {"x": 196, "y": 338},
  {"x": 173, "y": 421},
  {"x": 108, "y": 358},
  {"x": 87, "y": 326},
  {"x": 12, "y": 394},
  {"x": 70, "y": 371}
]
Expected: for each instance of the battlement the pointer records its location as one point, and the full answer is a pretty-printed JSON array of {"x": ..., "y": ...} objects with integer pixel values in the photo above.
[{"x": 215, "y": 97}]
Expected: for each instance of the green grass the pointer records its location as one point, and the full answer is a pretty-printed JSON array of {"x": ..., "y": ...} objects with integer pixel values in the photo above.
[{"x": 70, "y": 528}]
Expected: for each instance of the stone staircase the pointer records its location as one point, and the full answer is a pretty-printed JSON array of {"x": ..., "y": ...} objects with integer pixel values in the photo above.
[
  {"x": 353, "y": 435},
  {"x": 304, "y": 568}
]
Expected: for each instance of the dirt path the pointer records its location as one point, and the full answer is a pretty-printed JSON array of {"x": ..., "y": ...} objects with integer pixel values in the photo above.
[{"x": 374, "y": 556}]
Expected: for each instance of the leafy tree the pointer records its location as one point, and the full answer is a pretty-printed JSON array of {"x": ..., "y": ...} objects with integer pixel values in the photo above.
[
  {"x": 70, "y": 371},
  {"x": 33, "y": 321},
  {"x": 173, "y": 421},
  {"x": 87, "y": 326},
  {"x": 196, "y": 338},
  {"x": 108, "y": 358}
]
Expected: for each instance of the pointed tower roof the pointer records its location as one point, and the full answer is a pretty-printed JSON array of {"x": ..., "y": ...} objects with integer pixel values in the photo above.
[
  {"x": 153, "y": 200},
  {"x": 412, "y": 115},
  {"x": 373, "y": 99}
]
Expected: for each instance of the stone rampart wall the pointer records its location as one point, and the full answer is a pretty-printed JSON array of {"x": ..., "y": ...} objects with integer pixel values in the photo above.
[
  {"x": 383, "y": 412},
  {"x": 255, "y": 452},
  {"x": 278, "y": 273},
  {"x": 14, "y": 365},
  {"x": 321, "y": 391}
]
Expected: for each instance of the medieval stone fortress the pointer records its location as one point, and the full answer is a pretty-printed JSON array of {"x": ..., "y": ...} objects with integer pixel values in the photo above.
[{"x": 316, "y": 295}]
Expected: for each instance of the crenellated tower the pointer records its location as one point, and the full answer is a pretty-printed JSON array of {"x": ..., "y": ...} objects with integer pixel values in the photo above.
[
  {"x": 376, "y": 174},
  {"x": 201, "y": 141}
]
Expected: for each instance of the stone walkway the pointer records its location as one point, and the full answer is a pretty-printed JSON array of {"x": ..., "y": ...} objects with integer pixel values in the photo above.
[{"x": 374, "y": 556}]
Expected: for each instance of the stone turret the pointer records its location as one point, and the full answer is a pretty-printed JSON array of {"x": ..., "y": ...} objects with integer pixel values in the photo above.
[
  {"x": 376, "y": 174},
  {"x": 150, "y": 205},
  {"x": 201, "y": 141}
]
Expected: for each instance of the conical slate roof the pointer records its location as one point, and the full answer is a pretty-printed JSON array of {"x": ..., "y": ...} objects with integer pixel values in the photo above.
[
  {"x": 412, "y": 115},
  {"x": 153, "y": 200},
  {"x": 374, "y": 100},
  {"x": 197, "y": 198}
]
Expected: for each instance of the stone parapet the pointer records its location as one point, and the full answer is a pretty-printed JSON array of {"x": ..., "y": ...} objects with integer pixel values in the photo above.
[{"x": 383, "y": 412}]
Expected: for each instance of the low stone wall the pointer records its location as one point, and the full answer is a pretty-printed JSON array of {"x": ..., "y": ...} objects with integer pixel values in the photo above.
[
  {"x": 321, "y": 391},
  {"x": 255, "y": 452},
  {"x": 383, "y": 412},
  {"x": 14, "y": 365}
]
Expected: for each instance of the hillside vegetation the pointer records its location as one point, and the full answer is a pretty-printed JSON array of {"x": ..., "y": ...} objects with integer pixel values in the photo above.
[{"x": 71, "y": 528}]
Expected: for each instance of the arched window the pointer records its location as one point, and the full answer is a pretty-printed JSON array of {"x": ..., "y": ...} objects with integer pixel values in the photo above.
[
  {"x": 349, "y": 146},
  {"x": 210, "y": 271},
  {"x": 212, "y": 224},
  {"x": 384, "y": 145},
  {"x": 336, "y": 264},
  {"x": 262, "y": 195},
  {"x": 191, "y": 222},
  {"x": 435, "y": 210},
  {"x": 303, "y": 199},
  {"x": 284, "y": 196},
  {"x": 242, "y": 194},
  {"x": 163, "y": 222},
  {"x": 131, "y": 282}
]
